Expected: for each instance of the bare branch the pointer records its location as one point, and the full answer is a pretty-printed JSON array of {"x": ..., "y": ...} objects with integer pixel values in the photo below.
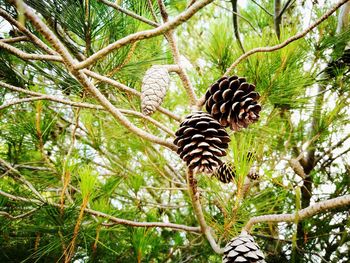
[
  {"x": 301, "y": 214},
  {"x": 277, "y": 18},
  {"x": 194, "y": 194},
  {"x": 343, "y": 17},
  {"x": 130, "y": 13},
  {"x": 19, "y": 101},
  {"x": 183, "y": 17},
  {"x": 235, "y": 24},
  {"x": 288, "y": 41},
  {"x": 27, "y": 56}
]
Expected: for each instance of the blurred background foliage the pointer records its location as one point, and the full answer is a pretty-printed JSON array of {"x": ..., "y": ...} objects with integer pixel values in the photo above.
[{"x": 304, "y": 90}]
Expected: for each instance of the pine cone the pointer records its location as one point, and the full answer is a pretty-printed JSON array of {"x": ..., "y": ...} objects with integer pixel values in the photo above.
[
  {"x": 233, "y": 102},
  {"x": 243, "y": 249},
  {"x": 225, "y": 173},
  {"x": 155, "y": 84},
  {"x": 253, "y": 175},
  {"x": 201, "y": 141}
]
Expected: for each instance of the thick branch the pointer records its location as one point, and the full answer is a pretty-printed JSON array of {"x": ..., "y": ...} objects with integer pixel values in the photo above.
[
  {"x": 235, "y": 24},
  {"x": 288, "y": 41},
  {"x": 301, "y": 214},
  {"x": 277, "y": 18},
  {"x": 194, "y": 194},
  {"x": 180, "y": 19}
]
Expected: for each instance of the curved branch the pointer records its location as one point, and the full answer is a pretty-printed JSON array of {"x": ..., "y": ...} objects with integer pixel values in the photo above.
[
  {"x": 301, "y": 214},
  {"x": 192, "y": 189},
  {"x": 288, "y": 41},
  {"x": 180, "y": 19}
]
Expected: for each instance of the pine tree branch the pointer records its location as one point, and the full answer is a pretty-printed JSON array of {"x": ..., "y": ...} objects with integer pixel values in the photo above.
[
  {"x": 301, "y": 214},
  {"x": 150, "y": 6},
  {"x": 111, "y": 218},
  {"x": 11, "y": 217},
  {"x": 263, "y": 8},
  {"x": 85, "y": 82},
  {"x": 235, "y": 24},
  {"x": 15, "y": 174},
  {"x": 205, "y": 229},
  {"x": 14, "y": 39},
  {"x": 288, "y": 41},
  {"x": 277, "y": 18},
  {"x": 130, "y": 13},
  {"x": 27, "y": 56},
  {"x": 24, "y": 30},
  {"x": 41, "y": 96},
  {"x": 178, "y": 20},
  {"x": 127, "y": 89},
  {"x": 176, "y": 55}
]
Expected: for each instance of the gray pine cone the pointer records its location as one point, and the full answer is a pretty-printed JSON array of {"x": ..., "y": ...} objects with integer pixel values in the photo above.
[
  {"x": 155, "y": 84},
  {"x": 243, "y": 249}
]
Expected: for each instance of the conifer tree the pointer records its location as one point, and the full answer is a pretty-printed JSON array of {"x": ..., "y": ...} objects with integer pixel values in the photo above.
[{"x": 110, "y": 150}]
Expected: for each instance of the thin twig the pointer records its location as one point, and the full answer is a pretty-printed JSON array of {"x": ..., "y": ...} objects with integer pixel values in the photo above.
[
  {"x": 2, "y": 213},
  {"x": 176, "y": 55},
  {"x": 41, "y": 96},
  {"x": 14, "y": 39},
  {"x": 235, "y": 24},
  {"x": 111, "y": 218},
  {"x": 301, "y": 214},
  {"x": 28, "y": 56},
  {"x": 263, "y": 8},
  {"x": 178, "y": 20},
  {"x": 130, "y": 13},
  {"x": 288, "y": 41}
]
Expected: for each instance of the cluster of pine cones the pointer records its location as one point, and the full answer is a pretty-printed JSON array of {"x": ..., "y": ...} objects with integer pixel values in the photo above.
[{"x": 202, "y": 138}]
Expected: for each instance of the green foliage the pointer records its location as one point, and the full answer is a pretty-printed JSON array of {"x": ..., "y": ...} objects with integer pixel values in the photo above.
[{"x": 304, "y": 90}]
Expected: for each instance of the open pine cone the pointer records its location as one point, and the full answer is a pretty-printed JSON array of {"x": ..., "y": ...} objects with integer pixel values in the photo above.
[
  {"x": 243, "y": 249},
  {"x": 201, "y": 141},
  {"x": 233, "y": 102}
]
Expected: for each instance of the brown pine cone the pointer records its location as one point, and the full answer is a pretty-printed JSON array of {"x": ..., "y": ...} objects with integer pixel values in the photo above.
[
  {"x": 225, "y": 173},
  {"x": 201, "y": 141},
  {"x": 233, "y": 102}
]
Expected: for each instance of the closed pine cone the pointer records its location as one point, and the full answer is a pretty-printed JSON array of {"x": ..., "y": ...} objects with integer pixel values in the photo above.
[
  {"x": 233, "y": 102},
  {"x": 201, "y": 141},
  {"x": 155, "y": 84}
]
